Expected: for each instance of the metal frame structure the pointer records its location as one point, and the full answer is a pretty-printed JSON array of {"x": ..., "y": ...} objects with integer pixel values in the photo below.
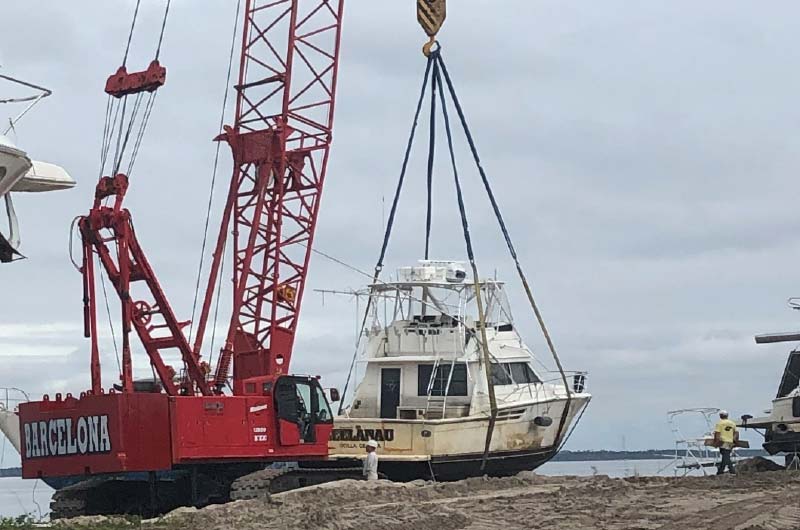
[
  {"x": 125, "y": 263},
  {"x": 280, "y": 143},
  {"x": 692, "y": 453}
]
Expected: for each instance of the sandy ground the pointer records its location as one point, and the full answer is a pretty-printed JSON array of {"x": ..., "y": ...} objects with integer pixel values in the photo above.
[{"x": 761, "y": 501}]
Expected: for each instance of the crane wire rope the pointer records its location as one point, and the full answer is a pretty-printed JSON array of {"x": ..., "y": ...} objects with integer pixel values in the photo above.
[
  {"x": 110, "y": 130},
  {"x": 140, "y": 136},
  {"x": 108, "y": 312},
  {"x": 163, "y": 27},
  {"x": 130, "y": 33},
  {"x": 216, "y": 309},
  {"x": 214, "y": 179}
]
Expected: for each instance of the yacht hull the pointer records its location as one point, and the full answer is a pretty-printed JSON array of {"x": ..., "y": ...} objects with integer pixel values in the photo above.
[
  {"x": 459, "y": 467},
  {"x": 452, "y": 449}
]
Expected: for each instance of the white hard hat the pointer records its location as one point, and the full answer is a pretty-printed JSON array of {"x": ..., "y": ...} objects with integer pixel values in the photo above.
[
  {"x": 373, "y": 444},
  {"x": 723, "y": 413}
]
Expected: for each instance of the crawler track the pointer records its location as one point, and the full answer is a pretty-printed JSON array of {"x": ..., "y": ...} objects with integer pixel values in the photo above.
[{"x": 134, "y": 495}]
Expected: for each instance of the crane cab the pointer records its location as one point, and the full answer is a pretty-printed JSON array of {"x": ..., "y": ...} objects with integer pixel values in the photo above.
[
  {"x": 302, "y": 412},
  {"x": 282, "y": 418}
]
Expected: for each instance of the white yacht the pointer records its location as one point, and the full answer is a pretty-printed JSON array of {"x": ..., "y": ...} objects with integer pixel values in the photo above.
[
  {"x": 424, "y": 394},
  {"x": 18, "y": 173},
  {"x": 781, "y": 423}
]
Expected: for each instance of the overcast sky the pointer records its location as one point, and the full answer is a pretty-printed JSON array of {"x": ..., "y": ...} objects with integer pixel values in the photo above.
[{"x": 643, "y": 153}]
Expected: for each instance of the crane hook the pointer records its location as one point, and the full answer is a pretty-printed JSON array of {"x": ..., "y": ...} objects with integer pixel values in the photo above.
[
  {"x": 428, "y": 47},
  {"x": 431, "y": 14}
]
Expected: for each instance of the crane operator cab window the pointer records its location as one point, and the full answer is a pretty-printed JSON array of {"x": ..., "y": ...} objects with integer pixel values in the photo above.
[{"x": 301, "y": 405}]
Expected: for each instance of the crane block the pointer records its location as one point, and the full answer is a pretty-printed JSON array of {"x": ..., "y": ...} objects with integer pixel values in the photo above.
[
  {"x": 431, "y": 15},
  {"x": 123, "y": 83}
]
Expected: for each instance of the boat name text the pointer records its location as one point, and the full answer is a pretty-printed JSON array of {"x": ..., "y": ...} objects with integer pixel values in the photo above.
[{"x": 362, "y": 435}]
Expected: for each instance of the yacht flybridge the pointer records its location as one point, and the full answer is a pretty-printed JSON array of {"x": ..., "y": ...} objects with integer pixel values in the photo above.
[
  {"x": 424, "y": 390},
  {"x": 18, "y": 173}
]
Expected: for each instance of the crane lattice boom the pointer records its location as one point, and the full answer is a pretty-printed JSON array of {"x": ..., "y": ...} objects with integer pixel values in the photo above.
[{"x": 280, "y": 142}]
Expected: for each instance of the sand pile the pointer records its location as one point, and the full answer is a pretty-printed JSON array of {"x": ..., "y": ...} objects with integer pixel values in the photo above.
[
  {"x": 758, "y": 501},
  {"x": 757, "y": 464}
]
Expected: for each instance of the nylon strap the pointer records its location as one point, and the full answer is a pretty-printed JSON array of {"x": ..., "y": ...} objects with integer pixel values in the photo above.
[
  {"x": 475, "y": 277},
  {"x": 431, "y": 154},
  {"x": 389, "y": 224},
  {"x": 510, "y": 246}
]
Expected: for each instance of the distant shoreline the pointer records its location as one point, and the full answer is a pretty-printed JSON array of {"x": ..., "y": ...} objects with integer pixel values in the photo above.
[{"x": 649, "y": 454}]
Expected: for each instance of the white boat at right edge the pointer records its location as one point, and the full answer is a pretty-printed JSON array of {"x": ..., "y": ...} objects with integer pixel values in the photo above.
[{"x": 424, "y": 393}]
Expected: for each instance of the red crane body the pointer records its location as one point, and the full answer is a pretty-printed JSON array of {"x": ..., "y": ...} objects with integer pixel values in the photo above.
[{"x": 280, "y": 142}]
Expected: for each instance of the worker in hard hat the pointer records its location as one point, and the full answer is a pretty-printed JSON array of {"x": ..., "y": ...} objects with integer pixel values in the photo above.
[
  {"x": 725, "y": 438},
  {"x": 371, "y": 462}
]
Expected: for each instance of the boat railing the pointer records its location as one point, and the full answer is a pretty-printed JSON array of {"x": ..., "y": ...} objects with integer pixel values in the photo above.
[
  {"x": 11, "y": 397},
  {"x": 578, "y": 379}
]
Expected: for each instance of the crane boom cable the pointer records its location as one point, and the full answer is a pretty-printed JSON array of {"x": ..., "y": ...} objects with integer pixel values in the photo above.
[
  {"x": 140, "y": 136},
  {"x": 216, "y": 311},
  {"x": 130, "y": 33},
  {"x": 128, "y": 123},
  {"x": 163, "y": 27},
  {"x": 119, "y": 134},
  {"x": 108, "y": 312},
  {"x": 137, "y": 103},
  {"x": 106, "y": 126},
  {"x": 212, "y": 185}
]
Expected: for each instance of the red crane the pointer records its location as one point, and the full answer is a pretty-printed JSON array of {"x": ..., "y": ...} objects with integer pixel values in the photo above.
[{"x": 181, "y": 427}]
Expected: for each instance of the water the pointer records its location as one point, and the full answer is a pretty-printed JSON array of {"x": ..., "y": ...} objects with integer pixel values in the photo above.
[
  {"x": 23, "y": 497},
  {"x": 628, "y": 468},
  {"x": 618, "y": 468}
]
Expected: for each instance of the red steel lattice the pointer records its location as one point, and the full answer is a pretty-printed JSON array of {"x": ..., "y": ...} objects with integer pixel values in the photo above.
[{"x": 280, "y": 143}]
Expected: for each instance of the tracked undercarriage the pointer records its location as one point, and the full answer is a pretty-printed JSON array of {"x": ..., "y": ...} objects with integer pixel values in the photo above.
[{"x": 151, "y": 495}]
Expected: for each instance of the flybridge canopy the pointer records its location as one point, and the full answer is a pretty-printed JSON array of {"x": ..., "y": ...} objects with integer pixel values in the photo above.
[
  {"x": 429, "y": 273},
  {"x": 401, "y": 285}
]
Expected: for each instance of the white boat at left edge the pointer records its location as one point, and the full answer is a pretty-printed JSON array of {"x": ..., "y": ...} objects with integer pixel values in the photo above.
[{"x": 19, "y": 173}]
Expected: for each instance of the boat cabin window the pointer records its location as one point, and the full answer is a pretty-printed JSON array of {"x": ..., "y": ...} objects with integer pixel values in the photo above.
[
  {"x": 522, "y": 373},
  {"x": 501, "y": 374},
  {"x": 513, "y": 373},
  {"x": 458, "y": 382}
]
